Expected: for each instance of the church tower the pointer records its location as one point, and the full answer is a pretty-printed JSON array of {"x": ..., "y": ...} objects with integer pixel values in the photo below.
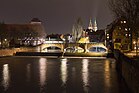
[
  {"x": 90, "y": 27},
  {"x": 95, "y": 26}
]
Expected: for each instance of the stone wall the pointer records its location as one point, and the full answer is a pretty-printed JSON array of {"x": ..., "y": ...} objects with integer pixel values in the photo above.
[
  {"x": 129, "y": 69},
  {"x": 12, "y": 51}
]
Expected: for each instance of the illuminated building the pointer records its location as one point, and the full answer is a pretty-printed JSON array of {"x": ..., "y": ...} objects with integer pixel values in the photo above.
[
  {"x": 118, "y": 35},
  {"x": 22, "y": 34},
  {"x": 92, "y": 27},
  {"x": 95, "y": 26}
]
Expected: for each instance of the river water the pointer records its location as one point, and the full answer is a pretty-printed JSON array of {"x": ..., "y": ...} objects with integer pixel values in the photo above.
[{"x": 59, "y": 75}]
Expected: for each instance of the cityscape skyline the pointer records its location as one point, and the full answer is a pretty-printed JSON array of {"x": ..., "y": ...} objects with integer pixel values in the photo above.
[{"x": 57, "y": 16}]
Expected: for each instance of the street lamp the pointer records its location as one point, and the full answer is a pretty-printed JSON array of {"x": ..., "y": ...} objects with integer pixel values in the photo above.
[{"x": 105, "y": 38}]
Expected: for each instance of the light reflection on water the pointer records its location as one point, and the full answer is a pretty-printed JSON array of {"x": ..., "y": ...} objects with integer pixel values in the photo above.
[
  {"x": 107, "y": 73},
  {"x": 6, "y": 76},
  {"x": 28, "y": 74},
  {"x": 42, "y": 71},
  {"x": 64, "y": 70},
  {"x": 85, "y": 74},
  {"x": 108, "y": 67},
  {"x": 62, "y": 75}
]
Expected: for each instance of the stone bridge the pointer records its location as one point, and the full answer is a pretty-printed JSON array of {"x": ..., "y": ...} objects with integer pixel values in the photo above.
[{"x": 62, "y": 46}]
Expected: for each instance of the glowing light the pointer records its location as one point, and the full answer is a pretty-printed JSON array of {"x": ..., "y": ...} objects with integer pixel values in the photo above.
[
  {"x": 6, "y": 76},
  {"x": 134, "y": 42},
  {"x": 85, "y": 74},
  {"x": 64, "y": 70},
  {"x": 124, "y": 21},
  {"x": 42, "y": 70},
  {"x": 84, "y": 40}
]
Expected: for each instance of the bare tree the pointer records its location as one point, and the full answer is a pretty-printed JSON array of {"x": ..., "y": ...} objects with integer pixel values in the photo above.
[
  {"x": 77, "y": 30},
  {"x": 128, "y": 9}
]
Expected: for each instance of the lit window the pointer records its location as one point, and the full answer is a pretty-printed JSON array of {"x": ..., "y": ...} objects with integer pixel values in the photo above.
[
  {"x": 124, "y": 21},
  {"x": 121, "y": 22},
  {"x": 125, "y": 29},
  {"x": 134, "y": 42}
]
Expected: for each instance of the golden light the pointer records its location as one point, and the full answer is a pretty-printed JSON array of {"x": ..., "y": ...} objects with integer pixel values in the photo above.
[
  {"x": 6, "y": 76},
  {"x": 42, "y": 70},
  {"x": 85, "y": 74},
  {"x": 64, "y": 70},
  {"x": 134, "y": 42}
]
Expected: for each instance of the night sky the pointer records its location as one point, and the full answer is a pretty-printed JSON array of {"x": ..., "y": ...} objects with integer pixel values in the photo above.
[{"x": 58, "y": 16}]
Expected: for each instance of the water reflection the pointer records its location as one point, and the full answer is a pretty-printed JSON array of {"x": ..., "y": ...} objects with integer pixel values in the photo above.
[
  {"x": 6, "y": 76},
  {"x": 42, "y": 71},
  {"x": 28, "y": 72},
  {"x": 107, "y": 73},
  {"x": 85, "y": 74},
  {"x": 64, "y": 70}
]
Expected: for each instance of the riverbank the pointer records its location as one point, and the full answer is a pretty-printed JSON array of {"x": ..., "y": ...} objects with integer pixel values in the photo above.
[
  {"x": 128, "y": 69},
  {"x": 12, "y": 51}
]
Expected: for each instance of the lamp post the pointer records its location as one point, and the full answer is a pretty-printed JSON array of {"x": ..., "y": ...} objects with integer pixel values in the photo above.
[{"x": 105, "y": 38}]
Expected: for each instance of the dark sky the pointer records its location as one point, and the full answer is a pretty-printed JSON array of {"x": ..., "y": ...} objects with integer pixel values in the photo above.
[{"x": 58, "y": 16}]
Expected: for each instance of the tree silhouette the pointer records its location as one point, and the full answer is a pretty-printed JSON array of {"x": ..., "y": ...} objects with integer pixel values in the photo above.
[
  {"x": 129, "y": 10},
  {"x": 77, "y": 30}
]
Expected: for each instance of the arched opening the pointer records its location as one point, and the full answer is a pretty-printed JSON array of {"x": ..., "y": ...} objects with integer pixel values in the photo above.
[{"x": 52, "y": 49}]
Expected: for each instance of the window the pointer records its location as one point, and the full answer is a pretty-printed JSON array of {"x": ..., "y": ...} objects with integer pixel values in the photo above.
[
  {"x": 97, "y": 49},
  {"x": 93, "y": 49},
  {"x": 125, "y": 29},
  {"x": 100, "y": 49},
  {"x": 121, "y": 22}
]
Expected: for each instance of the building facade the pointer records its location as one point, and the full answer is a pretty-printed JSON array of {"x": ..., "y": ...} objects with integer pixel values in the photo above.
[
  {"x": 21, "y": 34},
  {"x": 118, "y": 35}
]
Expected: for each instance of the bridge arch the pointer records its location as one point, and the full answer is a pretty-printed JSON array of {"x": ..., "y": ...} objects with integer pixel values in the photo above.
[
  {"x": 89, "y": 45},
  {"x": 44, "y": 46}
]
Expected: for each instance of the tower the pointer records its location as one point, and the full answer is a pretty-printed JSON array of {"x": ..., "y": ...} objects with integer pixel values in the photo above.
[
  {"x": 90, "y": 27},
  {"x": 35, "y": 21},
  {"x": 95, "y": 26}
]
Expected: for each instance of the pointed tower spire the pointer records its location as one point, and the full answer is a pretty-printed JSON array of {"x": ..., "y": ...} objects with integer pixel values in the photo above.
[
  {"x": 95, "y": 25},
  {"x": 90, "y": 27}
]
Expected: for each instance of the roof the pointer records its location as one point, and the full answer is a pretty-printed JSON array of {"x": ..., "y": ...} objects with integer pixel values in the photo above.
[{"x": 35, "y": 20}]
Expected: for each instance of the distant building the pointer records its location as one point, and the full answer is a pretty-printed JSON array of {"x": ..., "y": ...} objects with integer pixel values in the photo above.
[
  {"x": 92, "y": 27},
  {"x": 96, "y": 36},
  {"x": 93, "y": 33},
  {"x": 95, "y": 26},
  {"x": 22, "y": 33},
  {"x": 119, "y": 35},
  {"x": 53, "y": 38}
]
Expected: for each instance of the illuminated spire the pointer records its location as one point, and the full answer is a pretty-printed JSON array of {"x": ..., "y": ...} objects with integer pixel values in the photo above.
[
  {"x": 95, "y": 25},
  {"x": 90, "y": 27}
]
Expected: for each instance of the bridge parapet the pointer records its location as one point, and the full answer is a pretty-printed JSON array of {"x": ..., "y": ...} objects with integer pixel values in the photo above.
[{"x": 62, "y": 46}]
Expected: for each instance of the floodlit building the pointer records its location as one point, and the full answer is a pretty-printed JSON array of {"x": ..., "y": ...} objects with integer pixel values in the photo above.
[
  {"x": 22, "y": 34},
  {"x": 93, "y": 33},
  {"x": 119, "y": 35},
  {"x": 95, "y": 26}
]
